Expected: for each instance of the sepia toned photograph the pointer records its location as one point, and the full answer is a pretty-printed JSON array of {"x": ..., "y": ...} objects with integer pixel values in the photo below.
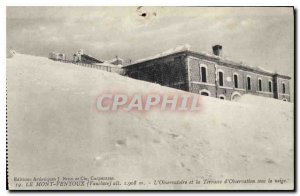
[{"x": 150, "y": 98}]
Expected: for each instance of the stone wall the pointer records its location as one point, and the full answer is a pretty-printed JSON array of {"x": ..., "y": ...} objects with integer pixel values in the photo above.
[
  {"x": 228, "y": 88},
  {"x": 183, "y": 71},
  {"x": 168, "y": 71},
  {"x": 281, "y": 95}
]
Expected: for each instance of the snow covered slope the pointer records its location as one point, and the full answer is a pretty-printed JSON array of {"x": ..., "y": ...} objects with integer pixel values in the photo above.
[{"x": 54, "y": 130}]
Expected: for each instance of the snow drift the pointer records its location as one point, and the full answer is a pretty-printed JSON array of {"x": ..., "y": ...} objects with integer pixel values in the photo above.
[{"x": 54, "y": 130}]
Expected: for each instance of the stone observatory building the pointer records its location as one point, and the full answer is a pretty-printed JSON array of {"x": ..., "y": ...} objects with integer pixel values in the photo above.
[{"x": 209, "y": 74}]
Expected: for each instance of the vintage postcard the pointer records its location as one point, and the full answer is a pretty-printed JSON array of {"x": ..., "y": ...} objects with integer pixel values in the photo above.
[{"x": 150, "y": 98}]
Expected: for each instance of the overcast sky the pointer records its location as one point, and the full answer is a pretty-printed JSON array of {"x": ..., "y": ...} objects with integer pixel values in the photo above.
[{"x": 257, "y": 36}]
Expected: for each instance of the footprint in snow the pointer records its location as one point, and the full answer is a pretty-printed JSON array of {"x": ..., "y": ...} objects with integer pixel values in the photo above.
[
  {"x": 174, "y": 135},
  {"x": 183, "y": 166},
  {"x": 225, "y": 125},
  {"x": 269, "y": 161},
  {"x": 121, "y": 143}
]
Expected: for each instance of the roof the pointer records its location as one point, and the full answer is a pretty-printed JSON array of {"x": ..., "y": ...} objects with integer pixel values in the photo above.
[
  {"x": 107, "y": 64},
  {"x": 92, "y": 58},
  {"x": 238, "y": 65},
  {"x": 115, "y": 59},
  {"x": 172, "y": 51},
  {"x": 221, "y": 60}
]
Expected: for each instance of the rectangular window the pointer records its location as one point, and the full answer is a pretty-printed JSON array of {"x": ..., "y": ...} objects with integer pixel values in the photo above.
[
  {"x": 270, "y": 86},
  {"x": 283, "y": 88},
  {"x": 203, "y": 74},
  {"x": 221, "y": 79},
  {"x": 248, "y": 83},
  {"x": 259, "y": 85},
  {"x": 236, "y": 82}
]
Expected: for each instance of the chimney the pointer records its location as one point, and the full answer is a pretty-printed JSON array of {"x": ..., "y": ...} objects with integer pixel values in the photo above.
[
  {"x": 217, "y": 50},
  {"x": 80, "y": 51}
]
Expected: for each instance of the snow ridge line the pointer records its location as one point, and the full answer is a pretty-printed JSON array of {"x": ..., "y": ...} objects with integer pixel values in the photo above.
[{"x": 103, "y": 67}]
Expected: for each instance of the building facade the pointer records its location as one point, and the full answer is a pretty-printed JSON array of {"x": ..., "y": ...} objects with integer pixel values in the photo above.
[
  {"x": 210, "y": 75},
  {"x": 81, "y": 57},
  {"x": 56, "y": 56}
]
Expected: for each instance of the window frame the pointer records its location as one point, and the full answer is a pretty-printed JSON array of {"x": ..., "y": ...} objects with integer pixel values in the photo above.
[
  {"x": 237, "y": 80},
  {"x": 249, "y": 86},
  {"x": 205, "y": 91},
  {"x": 222, "y": 96},
  {"x": 283, "y": 88},
  {"x": 221, "y": 71},
  {"x": 259, "y": 85},
  {"x": 270, "y": 89},
  {"x": 205, "y": 66}
]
